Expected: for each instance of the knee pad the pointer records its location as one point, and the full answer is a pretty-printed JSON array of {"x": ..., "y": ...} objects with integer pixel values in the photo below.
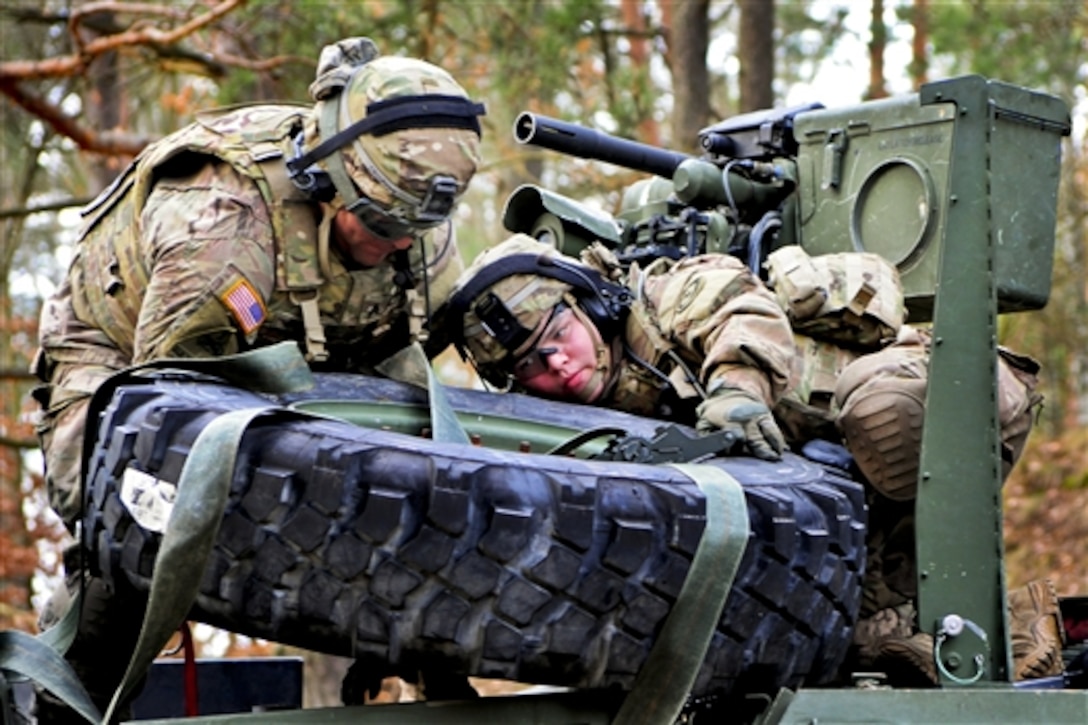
[{"x": 881, "y": 422}]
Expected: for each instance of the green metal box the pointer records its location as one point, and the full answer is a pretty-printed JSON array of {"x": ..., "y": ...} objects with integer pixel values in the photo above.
[{"x": 963, "y": 161}]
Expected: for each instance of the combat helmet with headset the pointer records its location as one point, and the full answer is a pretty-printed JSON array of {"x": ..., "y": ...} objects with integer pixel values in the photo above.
[
  {"x": 503, "y": 302},
  {"x": 394, "y": 140}
]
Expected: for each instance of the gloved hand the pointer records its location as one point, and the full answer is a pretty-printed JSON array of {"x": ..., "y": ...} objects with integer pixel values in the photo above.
[{"x": 747, "y": 417}]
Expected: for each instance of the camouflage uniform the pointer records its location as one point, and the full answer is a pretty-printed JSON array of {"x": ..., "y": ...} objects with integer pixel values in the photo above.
[
  {"x": 204, "y": 247},
  {"x": 701, "y": 323},
  {"x": 211, "y": 243},
  {"x": 864, "y": 385},
  {"x": 851, "y": 372},
  {"x": 707, "y": 323}
]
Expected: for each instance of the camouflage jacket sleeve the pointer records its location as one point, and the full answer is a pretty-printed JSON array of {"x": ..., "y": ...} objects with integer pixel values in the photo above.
[
  {"x": 724, "y": 320},
  {"x": 209, "y": 250}
]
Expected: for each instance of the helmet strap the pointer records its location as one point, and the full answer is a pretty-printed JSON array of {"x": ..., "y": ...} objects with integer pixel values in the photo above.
[{"x": 324, "y": 236}]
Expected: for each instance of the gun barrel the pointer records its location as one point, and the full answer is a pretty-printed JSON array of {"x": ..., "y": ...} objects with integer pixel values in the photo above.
[{"x": 587, "y": 143}]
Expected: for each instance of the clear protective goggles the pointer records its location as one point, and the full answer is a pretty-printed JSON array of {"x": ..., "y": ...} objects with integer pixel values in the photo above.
[
  {"x": 402, "y": 220},
  {"x": 535, "y": 361}
]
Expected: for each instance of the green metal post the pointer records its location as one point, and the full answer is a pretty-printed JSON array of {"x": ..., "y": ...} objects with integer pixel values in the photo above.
[{"x": 961, "y": 582}]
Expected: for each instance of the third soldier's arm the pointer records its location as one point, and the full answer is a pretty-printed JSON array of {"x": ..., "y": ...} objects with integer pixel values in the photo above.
[{"x": 723, "y": 317}]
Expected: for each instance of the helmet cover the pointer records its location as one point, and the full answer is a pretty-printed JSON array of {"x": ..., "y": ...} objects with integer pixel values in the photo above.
[{"x": 395, "y": 169}]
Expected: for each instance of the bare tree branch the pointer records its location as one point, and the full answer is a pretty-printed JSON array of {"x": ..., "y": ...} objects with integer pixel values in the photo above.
[
  {"x": 21, "y": 443},
  {"x": 25, "y": 211},
  {"x": 265, "y": 64},
  {"x": 14, "y": 374},
  {"x": 108, "y": 36},
  {"x": 137, "y": 35},
  {"x": 103, "y": 142}
]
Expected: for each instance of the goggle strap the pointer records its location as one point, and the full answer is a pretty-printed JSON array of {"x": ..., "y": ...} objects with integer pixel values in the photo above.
[
  {"x": 580, "y": 277},
  {"x": 397, "y": 114}
]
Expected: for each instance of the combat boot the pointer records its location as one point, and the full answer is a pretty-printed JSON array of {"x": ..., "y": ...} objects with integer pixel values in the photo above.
[
  {"x": 109, "y": 626},
  {"x": 1035, "y": 630},
  {"x": 887, "y": 642}
]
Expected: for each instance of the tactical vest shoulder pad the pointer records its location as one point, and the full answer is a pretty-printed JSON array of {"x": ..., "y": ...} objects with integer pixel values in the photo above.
[
  {"x": 850, "y": 298},
  {"x": 241, "y": 136}
]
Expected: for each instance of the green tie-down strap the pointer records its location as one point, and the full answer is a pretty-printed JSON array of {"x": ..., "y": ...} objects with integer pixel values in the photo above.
[
  {"x": 41, "y": 660},
  {"x": 410, "y": 365},
  {"x": 278, "y": 368},
  {"x": 203, "y": 490},
  {"x": 662, "y": 685}
]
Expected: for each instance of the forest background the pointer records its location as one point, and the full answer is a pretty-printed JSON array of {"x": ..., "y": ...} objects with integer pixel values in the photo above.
[{"x": 85, "y": 85}]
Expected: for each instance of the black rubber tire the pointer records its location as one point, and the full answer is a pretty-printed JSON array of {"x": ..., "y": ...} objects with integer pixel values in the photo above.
[{"x": 498, "y": 564}]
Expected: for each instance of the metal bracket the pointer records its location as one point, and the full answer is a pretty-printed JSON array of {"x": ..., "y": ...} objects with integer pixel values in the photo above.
[{"x": 670, "y": 444}]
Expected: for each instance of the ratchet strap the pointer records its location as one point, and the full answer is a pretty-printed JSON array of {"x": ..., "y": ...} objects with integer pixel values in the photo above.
[{"x": 662, "y": 685}]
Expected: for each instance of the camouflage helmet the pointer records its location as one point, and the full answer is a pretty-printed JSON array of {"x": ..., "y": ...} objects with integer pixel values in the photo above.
[
  {"x": 398, "y": 138},
  {"x": 502, "y": 304},
  {"x": 529, "y": 297}
]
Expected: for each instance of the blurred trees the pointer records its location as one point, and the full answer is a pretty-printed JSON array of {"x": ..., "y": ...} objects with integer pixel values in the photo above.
[{"x": 86, "y": 84}]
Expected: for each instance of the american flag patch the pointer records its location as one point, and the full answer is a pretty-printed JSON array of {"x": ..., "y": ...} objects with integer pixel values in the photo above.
[{"x": 245, "y": 304}]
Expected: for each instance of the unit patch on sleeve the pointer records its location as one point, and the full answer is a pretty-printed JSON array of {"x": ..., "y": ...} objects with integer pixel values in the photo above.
[{"x": 245, "y": 304}]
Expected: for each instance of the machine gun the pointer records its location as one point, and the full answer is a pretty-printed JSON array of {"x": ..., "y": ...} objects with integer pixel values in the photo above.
[
  {"x": 729, "y": 200},
  {"x": 879, "y": 177}
]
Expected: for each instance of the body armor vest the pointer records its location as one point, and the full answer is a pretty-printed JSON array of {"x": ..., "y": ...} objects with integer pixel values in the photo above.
[{"x": 337, "y": 312}]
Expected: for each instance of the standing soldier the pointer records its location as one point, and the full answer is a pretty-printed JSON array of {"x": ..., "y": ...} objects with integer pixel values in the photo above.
[
  {"x": 702, "y": 341},
  {"x": 327, "y": 224}
]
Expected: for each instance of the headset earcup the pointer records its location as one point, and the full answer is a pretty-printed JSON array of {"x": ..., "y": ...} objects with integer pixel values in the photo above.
[{"x": 606, "y": 322}]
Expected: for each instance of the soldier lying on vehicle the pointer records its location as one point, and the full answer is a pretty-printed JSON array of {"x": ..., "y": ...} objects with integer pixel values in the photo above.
[{"x": 820, "y": 352}]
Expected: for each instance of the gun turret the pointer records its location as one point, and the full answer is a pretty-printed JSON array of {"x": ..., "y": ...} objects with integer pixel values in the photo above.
[
  {"x": 725, "y": 198},
  {"x": 587, "y": 143}
]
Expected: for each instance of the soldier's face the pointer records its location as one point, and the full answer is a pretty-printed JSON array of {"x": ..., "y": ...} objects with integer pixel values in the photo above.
[
  {"x": 362, "y": 245},
  {"x": 563, "y": 363}
]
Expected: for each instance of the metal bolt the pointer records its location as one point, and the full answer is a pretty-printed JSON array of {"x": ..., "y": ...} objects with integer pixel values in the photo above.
[{"x": 952, "y": 624}]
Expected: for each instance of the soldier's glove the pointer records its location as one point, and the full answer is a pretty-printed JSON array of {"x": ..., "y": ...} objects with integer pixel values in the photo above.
[{"x": 745, "y": 416}]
